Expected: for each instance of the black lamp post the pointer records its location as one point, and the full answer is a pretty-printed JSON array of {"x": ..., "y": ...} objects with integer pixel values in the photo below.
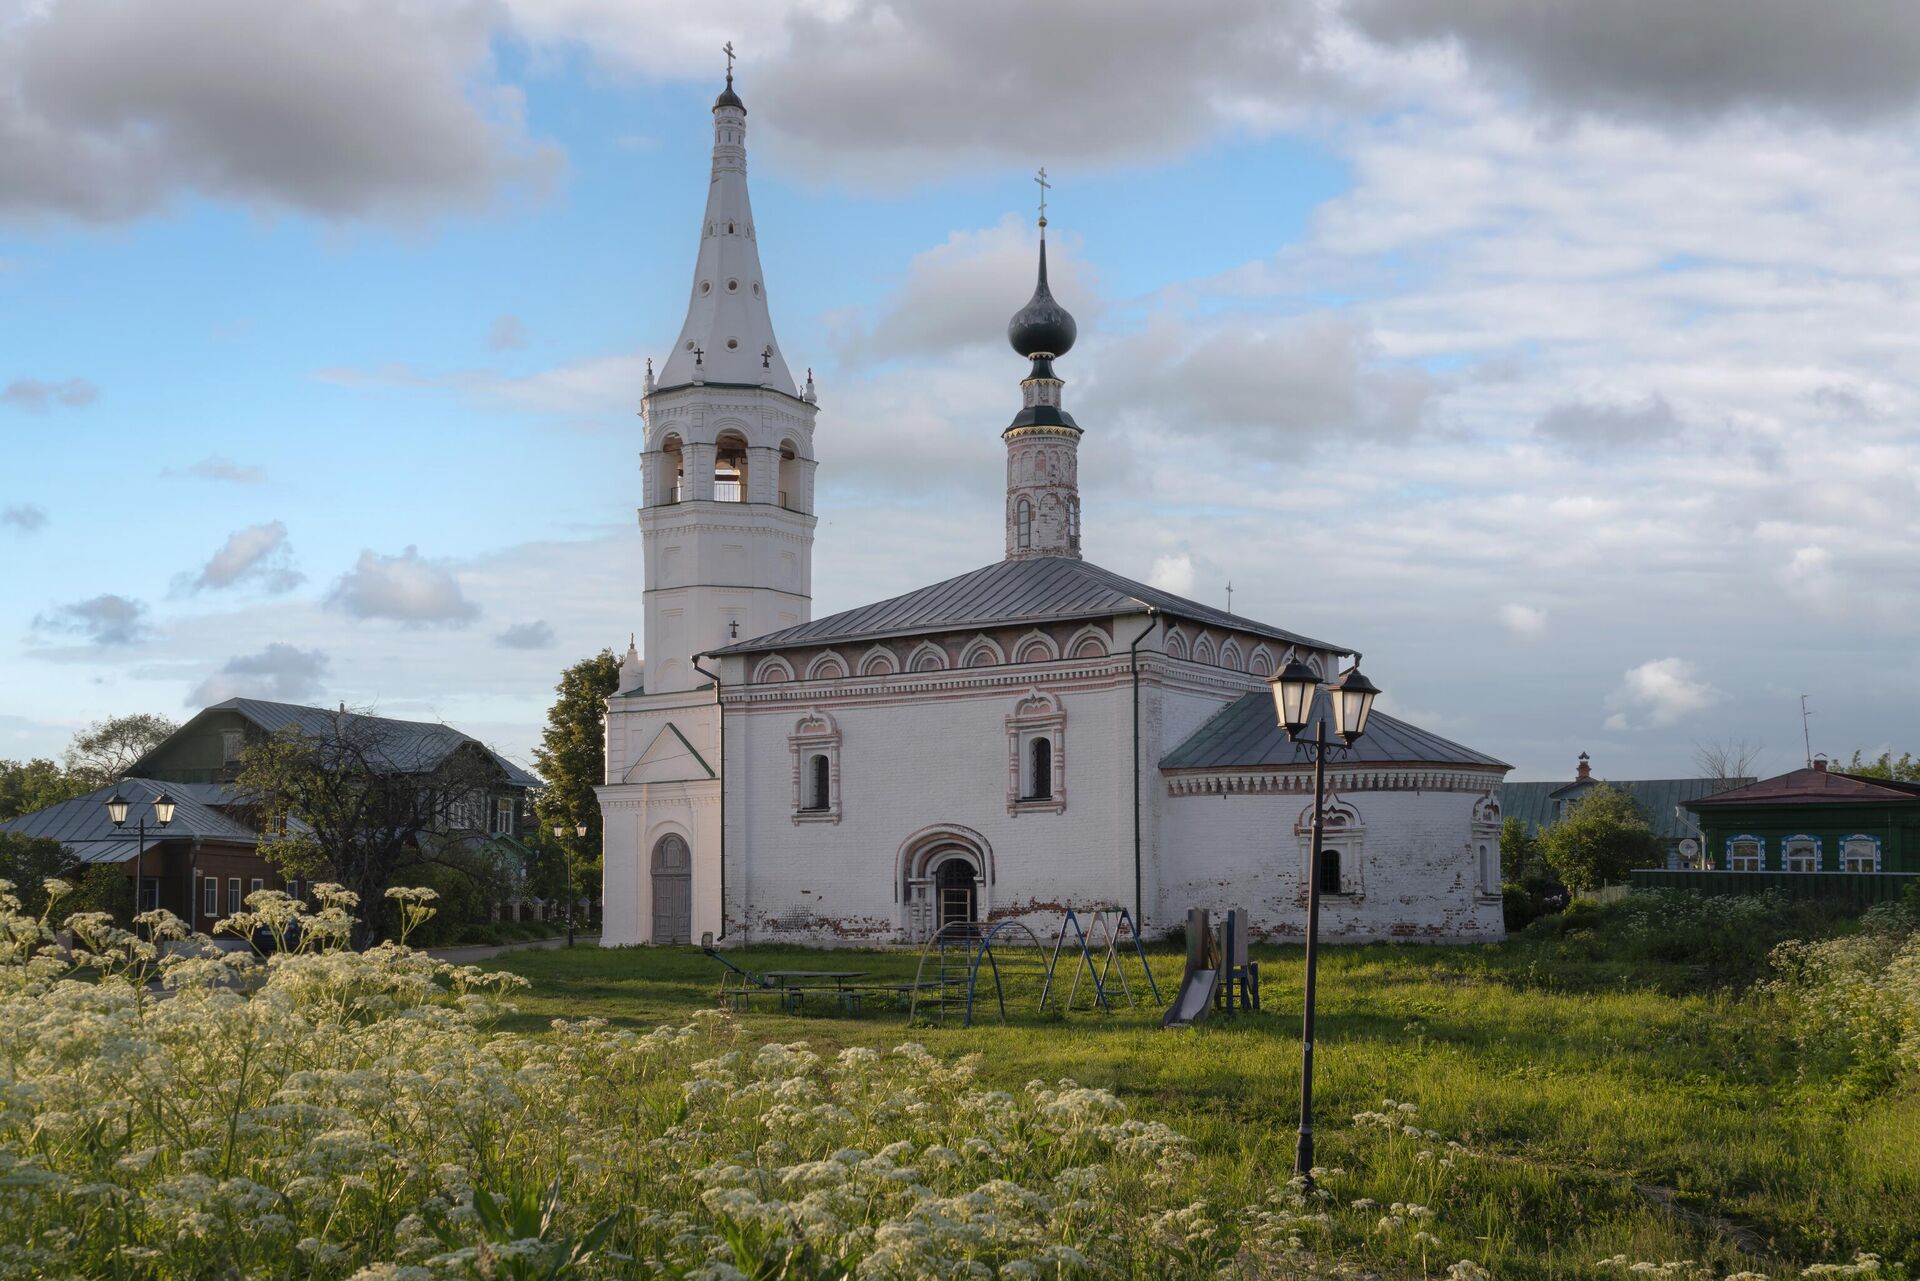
[
  {"x": 117, "y": 807},
  {"x": 1350, "y": 701},
  {"x": 560, "y": 835}
]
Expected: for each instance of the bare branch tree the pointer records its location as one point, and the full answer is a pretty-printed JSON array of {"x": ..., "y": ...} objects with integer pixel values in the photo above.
[
  {"x": 361, "y": 803},
  {"x": 1728, "y": 762}
]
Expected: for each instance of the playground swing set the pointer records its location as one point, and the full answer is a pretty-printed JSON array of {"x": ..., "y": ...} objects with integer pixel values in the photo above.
[{"x": 967, "y": 965}]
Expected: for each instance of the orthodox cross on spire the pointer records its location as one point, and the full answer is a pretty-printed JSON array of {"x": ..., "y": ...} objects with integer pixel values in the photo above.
[
  {"x": 1229, "y": 595},
  {"x": 1041, "y": 178},
  {"x": 727, "y": 48}
]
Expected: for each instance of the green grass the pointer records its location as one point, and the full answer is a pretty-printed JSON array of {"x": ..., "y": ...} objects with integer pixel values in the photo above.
[{"x": 1616, "y": 1106}]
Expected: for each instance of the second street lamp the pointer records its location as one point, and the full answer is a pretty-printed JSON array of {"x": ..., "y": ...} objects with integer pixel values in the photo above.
[
  {"x": 1349, "y": 702},
  {"x": 117, "y": 807},
  {"x": 560, "y": 835}
]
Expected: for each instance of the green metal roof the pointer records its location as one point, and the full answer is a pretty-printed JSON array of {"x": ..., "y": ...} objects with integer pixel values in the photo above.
[{"x": 1659, "y": 799}]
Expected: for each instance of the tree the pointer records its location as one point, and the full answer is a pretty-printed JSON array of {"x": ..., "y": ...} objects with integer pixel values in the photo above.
[
  {"x": 1603, "y": 836},
  {"x": 103, "y": 752},
  {"x": 26, "y": 786},
  {"x": 1904, "y": 770},
  {"x": 572, "y": 757},
  {"x": 1519, "y": 852},
  {"x": 1728, "y": 762},
  {"x": 355, "y": 804}
]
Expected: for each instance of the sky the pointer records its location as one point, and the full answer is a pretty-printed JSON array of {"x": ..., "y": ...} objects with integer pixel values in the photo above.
[{"x": 1560, "y": 357}]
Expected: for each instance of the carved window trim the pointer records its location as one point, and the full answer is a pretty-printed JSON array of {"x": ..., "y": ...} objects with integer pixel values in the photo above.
[
  {"x": 1343, "y": 830},
  {"x": 1036, "y": 715},
  {"x": 815, "y": 734}
]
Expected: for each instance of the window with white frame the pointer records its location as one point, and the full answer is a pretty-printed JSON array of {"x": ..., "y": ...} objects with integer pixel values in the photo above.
[
  {"x": 1746, "y": 854},
  {"x": 503, "y": 816},
  {"x": 233, "y": 895},
  {"x": 815, "y": 744},
  {"x": 1342, "y": 838},
  {"x": 210, "y": 896},
  {"x": 1037, "y": 755},
  {"x": 1800, "y": 854},
  {"x": 1860, "y": 854},
  {"x": 258, "y": 885}
]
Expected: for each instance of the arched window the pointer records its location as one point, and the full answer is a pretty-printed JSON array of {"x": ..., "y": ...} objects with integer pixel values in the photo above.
[
  {"x": 817, "y": 793},
  {"x": 1040, "y": 769},
  {"x": 1489, "y": 869},
  {"x": 1330, "y": 872},
  {"x": 1800, "y": 854},
  {"x": 1860, "y": 854},
  {"x": 1746, "y": 854},
  {"x": 1073, "y": 523},
  {"x": 1023, "y": 524}
]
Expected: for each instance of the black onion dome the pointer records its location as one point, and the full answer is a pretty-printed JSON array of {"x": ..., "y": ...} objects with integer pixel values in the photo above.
[
  {"x": 1043, "y": 325},
  {"x": 728, "y": 98}
]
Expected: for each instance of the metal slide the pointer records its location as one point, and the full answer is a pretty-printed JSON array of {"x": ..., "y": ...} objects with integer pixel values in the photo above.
[{"x": 1194, "y": 1001}]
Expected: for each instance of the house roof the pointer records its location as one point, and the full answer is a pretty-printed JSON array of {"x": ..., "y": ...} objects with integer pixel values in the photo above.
[
  {"x": 1815, "y": 787},
  {"x": 411, "y": 745},
  {"x": 1658, "y": 798},
  {"x": 1036, "y": 590},
  {"x": 82, "y": 824},
  {"x": 1244, "y": 734}
]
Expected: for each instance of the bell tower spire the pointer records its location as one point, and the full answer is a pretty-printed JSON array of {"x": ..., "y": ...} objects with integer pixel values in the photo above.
[
  {"x": 728, "y": 465},
  {"x": 1043, "y": 441}
]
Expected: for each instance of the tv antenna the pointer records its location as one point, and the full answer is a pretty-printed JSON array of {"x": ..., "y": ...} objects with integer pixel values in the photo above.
[{"x": 1806, "y": 730}]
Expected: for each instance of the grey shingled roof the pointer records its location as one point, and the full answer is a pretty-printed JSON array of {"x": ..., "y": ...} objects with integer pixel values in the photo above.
[
  {"x": 1039, "y": 590},
  {"x": 411, "y": 745},
  {"x": 1244, "y": 734},
  {"x": 82, "y": 824}
]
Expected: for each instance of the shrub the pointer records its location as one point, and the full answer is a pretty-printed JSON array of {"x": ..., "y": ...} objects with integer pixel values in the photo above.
[
  {"x": 1730, "y": 935},
  {"x": 1855, "y": 998}
]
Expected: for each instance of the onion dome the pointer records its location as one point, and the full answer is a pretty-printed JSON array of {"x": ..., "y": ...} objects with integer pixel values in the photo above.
[
  {"x": 1043, "y": 327},
  {"x": 728, "y": 98}
]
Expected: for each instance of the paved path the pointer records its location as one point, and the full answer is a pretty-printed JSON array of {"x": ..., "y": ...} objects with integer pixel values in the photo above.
[{"x": 470, "y": 953}]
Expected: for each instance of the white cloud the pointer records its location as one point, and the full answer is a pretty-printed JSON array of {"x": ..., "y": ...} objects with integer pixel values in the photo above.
[
  {"x": 343, "y": 108},
  {"x": 1174, "y": 573},
  {"x": 1524, "y": 621},
  {"x": 1808, "y": 576},
  {"x": 281, "y": 672},
  {"x": 406, "y": 588},
  {"x": 258, "y": 555},
  {"x": 1587, "y": 425},
  {"x": 1663, "y": 691}
]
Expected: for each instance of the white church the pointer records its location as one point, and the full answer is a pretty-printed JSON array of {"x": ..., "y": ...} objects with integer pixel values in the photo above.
[{"x": 1037, "y": 733}]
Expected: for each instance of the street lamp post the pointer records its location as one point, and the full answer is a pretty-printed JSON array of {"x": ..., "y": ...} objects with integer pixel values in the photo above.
[
  {"x": 560, "y": 835},
  {"x": 117, "y": 807},
  {"x": 1350, "y": 701}
]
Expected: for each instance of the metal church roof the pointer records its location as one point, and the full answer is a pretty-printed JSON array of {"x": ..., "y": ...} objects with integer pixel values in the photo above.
[
  {"x": 1041, "y": 589},
  {"x": 1659, "y": 799},
  {"x": 1244, "y": 734},
  {"x": 82, "y": 825},
  {"x": 410, "y": 745}
]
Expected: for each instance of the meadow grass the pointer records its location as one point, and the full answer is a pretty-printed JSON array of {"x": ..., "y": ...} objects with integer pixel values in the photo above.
[{"x": 1612, "y": 1106}]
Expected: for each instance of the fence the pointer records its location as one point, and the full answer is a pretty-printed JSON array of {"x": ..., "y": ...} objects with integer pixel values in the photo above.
[{"x": 1857, "y": 889}]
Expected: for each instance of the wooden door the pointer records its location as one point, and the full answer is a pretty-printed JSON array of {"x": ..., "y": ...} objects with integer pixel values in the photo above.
[{"x": 672, "y": 891}]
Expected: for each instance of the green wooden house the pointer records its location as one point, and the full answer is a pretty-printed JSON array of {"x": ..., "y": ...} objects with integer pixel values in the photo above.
[{"x": 1811, "y": 833}]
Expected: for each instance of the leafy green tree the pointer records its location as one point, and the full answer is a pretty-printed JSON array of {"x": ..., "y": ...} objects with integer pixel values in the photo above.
[
  {"x": 1519, "y": 852},
  {"x": 1602, "y": 836},
  {"x": 28, "y": 861},
  {"x": 352, "y": 804},
  {"x": 26, "y": 786},
  {"x": 1906, "y": 769},
  {"x": 103, "y": 752},
  {"x": 572, "y": 757}
]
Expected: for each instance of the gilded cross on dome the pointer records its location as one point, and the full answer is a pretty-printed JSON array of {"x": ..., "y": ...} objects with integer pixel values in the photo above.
[{"x": 1041, "y": 178}]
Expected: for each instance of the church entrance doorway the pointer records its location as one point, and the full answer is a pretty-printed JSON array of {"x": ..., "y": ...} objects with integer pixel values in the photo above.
[
  {"x": 672, "y": 890},
  {"x": 954, "y": 888}
]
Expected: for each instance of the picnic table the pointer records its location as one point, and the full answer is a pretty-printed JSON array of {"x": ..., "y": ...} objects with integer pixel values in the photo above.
[{"x": 793, "y": 985}]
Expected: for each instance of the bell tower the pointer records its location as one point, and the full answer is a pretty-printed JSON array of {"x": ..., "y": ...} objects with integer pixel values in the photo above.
[
  {"x": 1043, "y": 441},
  {"x": 727, "y": 518}
]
